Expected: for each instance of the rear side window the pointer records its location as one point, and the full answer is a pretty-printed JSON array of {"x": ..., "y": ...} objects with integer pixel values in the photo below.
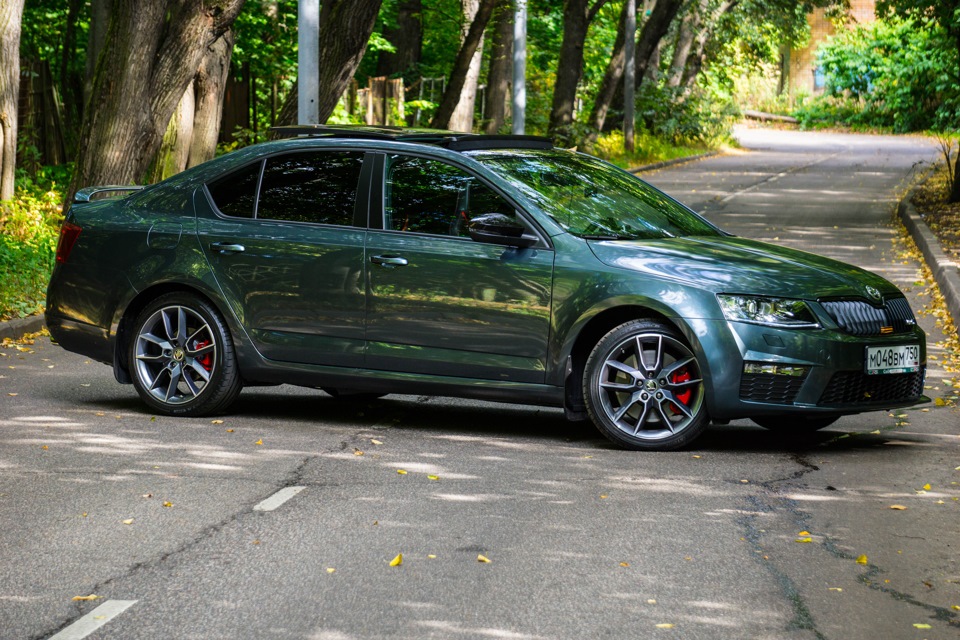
[
  {"x": 236, "y": 193},
  {"x": 316, "y": 187}
]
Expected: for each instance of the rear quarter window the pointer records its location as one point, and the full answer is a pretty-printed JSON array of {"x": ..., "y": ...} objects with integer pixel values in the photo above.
[{"x": 235, "y": 194}]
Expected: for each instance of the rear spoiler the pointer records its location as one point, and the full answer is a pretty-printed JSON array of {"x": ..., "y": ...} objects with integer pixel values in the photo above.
[{"x": 89, "y": 194}]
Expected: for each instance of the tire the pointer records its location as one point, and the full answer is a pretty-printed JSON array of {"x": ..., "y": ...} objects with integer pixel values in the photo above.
[
  {"x": 644, "y": 388},
  {"x": 182, "y": 359},
  {"x": 795, "y": 424}
]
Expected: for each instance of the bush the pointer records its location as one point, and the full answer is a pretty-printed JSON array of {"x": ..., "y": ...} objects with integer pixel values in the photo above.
[
  {"x": 29, "y": 229},
  {"x": 697, "y": 117}
]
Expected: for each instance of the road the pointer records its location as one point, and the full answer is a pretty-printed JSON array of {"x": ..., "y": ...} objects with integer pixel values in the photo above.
[{"x": 157, "y": 517}]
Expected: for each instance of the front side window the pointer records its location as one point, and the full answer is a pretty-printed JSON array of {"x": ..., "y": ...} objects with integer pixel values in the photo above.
[
  {"x": 433, "y": 197},
  {"x": 319, "y": 187}
]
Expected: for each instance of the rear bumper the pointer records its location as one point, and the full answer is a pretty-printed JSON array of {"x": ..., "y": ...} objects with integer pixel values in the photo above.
[{"x": 88, "y": 340}]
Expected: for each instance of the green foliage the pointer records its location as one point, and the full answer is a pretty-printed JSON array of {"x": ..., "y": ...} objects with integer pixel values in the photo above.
[
  {"x": 29, "y": 229},
  {"x": 698, "y": 117},
  {"x": 894, "y": 73},
  {"x": 647, "y": 149}
]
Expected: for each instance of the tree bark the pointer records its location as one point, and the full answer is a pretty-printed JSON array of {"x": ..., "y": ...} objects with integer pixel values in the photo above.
[
  {"x": 172, "y": 157},
  {"x": 462, "y": 118},
  {"x": 654, "y": 29},
  {"x": 689, "y": 27},
  {"x": 501, "y": 69},
  {"x": 611, "y": 81},
  {"x": 150, "y": 54},
  {"x": 11, "y": 16},
  {"x": 461, "y": 66},
  {"x": 407, "y": 39},
  {"x": 99, "y": 21},
  {"x": 209, "y": 86},
  {"x": 696, "y": 59},
  {"x": 345, "y": 28},
  {"x": 577, "y": 16}
]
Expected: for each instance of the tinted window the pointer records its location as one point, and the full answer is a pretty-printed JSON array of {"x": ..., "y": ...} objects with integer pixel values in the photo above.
[
  {"x": 428, "y": 196},
  {"x": 318, "y": 187},
  {"x": 235, "y": 194}
]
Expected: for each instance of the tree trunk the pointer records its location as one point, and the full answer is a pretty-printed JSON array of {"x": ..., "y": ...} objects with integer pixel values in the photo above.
[
  {"x": 99, "y": 21},
  {"x": 172, "y": 157},
  {"x": 577, "y": 16},
  {"x": 955, "y": 187},
  {"x": 611, "y": 81},
  {"x": 11, "y": 15},
  {"x": 407, "y": 39},
  {"x": 462, "y": 118},
  {"x": 151, "y": 53},
  {"x": 689, "y": 27},
  {"x": 698, "y": 56},
  {"x": 209, "y": 86},
  {"x": 461, "y": 66},
  {"x": 654, "y": 29},
  {"x": 501, "y": 69},
  {"x": 345, "y": 28}
]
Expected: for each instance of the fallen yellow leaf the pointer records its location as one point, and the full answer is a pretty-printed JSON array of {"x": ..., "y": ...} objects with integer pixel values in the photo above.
[
  {"x": 92, "y": 596},
  {"x": 862, "y": 559},
  {"x": 168, "y": 504},
  {"x": 375, "y": 441},
  {"x": 926, "y": 487},
  {"x": 804, "y": 540},
  {"x": 651, "y": 601},
  {"x": 431, "y": 556},
  {"x": 939, "y": 402},
  {"x": 898, "y": 507},
  {"x": 603, "y": 496},
  {"x": 401, "y": 472},
  {"x": 330, "y": 569},
  {"x": 229, "y": 430},
  {"x": 921, "y": 625},
  {"x": 834, "y": 589},
  {"x": 45, "y": 447},
  {"x": 664, "y": 625},
  {"x": 216, "y": 422},
  {"x": 396, "y": 562},
  {"x": 433, "y": 477},
  {"x": 697, "y": 457},
  {"x": 483, "y": 558},
  {"x": 357, "y": 452},
  {"x": 804, "y": 533},
  {"x": 624, "y": 564},
  {"x": 955, "y": 607}
]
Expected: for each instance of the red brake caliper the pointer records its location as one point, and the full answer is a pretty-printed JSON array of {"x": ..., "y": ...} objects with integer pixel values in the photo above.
[
  {"x": 681, "y": 376},
  {"x": 206, "y": 360}
]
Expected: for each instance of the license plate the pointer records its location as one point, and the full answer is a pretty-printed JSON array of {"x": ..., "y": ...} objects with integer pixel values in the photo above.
[{"x": 896, "y": 359}]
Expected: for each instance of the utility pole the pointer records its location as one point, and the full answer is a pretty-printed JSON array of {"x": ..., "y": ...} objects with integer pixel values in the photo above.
[
  {"x": 519, "y": 67},
  {"x": 308, "y": 61},
  {"x": 629, "y": 73}
]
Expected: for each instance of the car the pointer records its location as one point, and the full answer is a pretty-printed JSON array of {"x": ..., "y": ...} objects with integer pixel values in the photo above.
[{"x": 366, "y": 261}]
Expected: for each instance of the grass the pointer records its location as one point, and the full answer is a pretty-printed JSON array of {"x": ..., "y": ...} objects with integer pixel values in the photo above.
[{"x": 648, "y": 150}]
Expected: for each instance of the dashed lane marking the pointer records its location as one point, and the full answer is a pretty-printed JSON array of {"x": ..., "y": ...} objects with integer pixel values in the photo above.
[
  {"x": 94, "y": 620},
  {"x": 278, "y": 498}
]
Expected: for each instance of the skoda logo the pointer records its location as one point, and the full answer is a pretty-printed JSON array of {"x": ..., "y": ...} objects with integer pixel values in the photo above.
[{"x": 874, "y": 293}]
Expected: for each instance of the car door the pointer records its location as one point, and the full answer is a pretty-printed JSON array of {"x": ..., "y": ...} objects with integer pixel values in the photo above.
[
  {"x": 440, "y": 303},
  {"x": 284, "y": 238}
]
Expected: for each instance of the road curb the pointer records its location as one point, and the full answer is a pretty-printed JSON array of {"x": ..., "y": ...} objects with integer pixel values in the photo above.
[
  {"x": 670, "y": 163},
  {"x": 945, "y": 270},
  {"x": 14, "y": 329}
]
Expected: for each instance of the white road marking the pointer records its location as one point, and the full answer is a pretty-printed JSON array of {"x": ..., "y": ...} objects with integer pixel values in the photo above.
[
  {"x": 94, "y": 620},
  {"x": 278, "y": 498}
]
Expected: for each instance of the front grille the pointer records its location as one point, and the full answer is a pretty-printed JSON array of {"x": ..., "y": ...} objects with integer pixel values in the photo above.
[
  {"x": 767, "y": 387},
  {"x": 856, "y": 387},
  {"x": 860, "y": 318}
]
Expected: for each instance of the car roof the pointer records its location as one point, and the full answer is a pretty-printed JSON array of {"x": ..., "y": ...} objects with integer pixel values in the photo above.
[{"x": 453, "y": 140}]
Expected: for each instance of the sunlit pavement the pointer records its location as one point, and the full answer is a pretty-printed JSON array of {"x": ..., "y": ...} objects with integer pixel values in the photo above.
[{"x": 583, "y": 540}]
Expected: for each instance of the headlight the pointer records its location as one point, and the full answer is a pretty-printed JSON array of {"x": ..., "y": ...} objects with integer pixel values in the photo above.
[{"x": 771, "y": 312}]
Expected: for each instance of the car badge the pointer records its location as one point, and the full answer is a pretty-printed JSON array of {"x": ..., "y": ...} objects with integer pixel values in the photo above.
[{"x": 874, "y": 293}]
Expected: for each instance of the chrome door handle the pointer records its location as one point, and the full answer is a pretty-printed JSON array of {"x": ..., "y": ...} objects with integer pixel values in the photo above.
[
  {"x": 227, "y": 247},
  {"x": 389, "y": 261}
]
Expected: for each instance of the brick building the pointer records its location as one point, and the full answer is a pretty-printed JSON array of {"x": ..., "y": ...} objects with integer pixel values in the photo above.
[{"x": 800, "y": 64}]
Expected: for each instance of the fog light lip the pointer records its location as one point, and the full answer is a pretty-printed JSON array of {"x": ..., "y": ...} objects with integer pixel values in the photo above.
[{"x": 775, "y": 368}]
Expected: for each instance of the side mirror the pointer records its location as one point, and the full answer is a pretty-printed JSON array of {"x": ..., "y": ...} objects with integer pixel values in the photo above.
[{"x": 497, "y": 228}]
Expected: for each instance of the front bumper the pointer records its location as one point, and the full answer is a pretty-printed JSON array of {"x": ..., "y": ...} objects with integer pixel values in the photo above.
[{"x": 825, "y": 371}]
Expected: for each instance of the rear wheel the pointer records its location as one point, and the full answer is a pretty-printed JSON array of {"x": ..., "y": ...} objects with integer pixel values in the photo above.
[
  {"x": 181, "y": 357},
  {"x": 644, "y": 389},
  {"x": 796, "y": 424}
]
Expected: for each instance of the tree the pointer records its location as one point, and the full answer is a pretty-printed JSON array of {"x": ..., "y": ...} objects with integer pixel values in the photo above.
[
  {"x": 461, "y": 65},
  {"x": 406, "y": 36},
  {"x": 11, "y": 13},
  {"x": 150, "y": 54},
  {"x": 577, "y": 16},
  {"x": 345, "y": 28},
  {"x": 501, "y": 69}
]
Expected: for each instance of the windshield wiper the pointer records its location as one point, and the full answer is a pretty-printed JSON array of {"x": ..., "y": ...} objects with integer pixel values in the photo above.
[{"x": 588, "y": 236}]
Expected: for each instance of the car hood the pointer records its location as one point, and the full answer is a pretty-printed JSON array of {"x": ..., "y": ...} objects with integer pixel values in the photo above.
[{"x": 729, "y": 264}]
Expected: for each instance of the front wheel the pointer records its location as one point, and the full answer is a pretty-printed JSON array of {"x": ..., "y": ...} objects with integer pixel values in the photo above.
[
  {"x": 181, "y": 357},
  {"x": 644, "y": 388}
]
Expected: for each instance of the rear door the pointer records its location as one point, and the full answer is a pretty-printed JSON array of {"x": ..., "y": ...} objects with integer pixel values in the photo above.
[{"x": 284, "y": 237}]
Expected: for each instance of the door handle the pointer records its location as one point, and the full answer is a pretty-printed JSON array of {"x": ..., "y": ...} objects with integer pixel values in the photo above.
[
  {"x": 389, "y": 261},
  {"x": 227, "y": 247}
]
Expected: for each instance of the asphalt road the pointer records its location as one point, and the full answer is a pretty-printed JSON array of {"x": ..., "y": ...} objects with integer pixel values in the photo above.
[{"x": 583, "y": 540}]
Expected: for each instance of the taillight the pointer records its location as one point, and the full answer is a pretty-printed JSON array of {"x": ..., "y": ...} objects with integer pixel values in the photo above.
[{"x": 69, "y": 233}]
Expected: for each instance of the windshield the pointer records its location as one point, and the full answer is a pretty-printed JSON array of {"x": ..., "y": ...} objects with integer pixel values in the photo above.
[{"x": 593, "y": 199}]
